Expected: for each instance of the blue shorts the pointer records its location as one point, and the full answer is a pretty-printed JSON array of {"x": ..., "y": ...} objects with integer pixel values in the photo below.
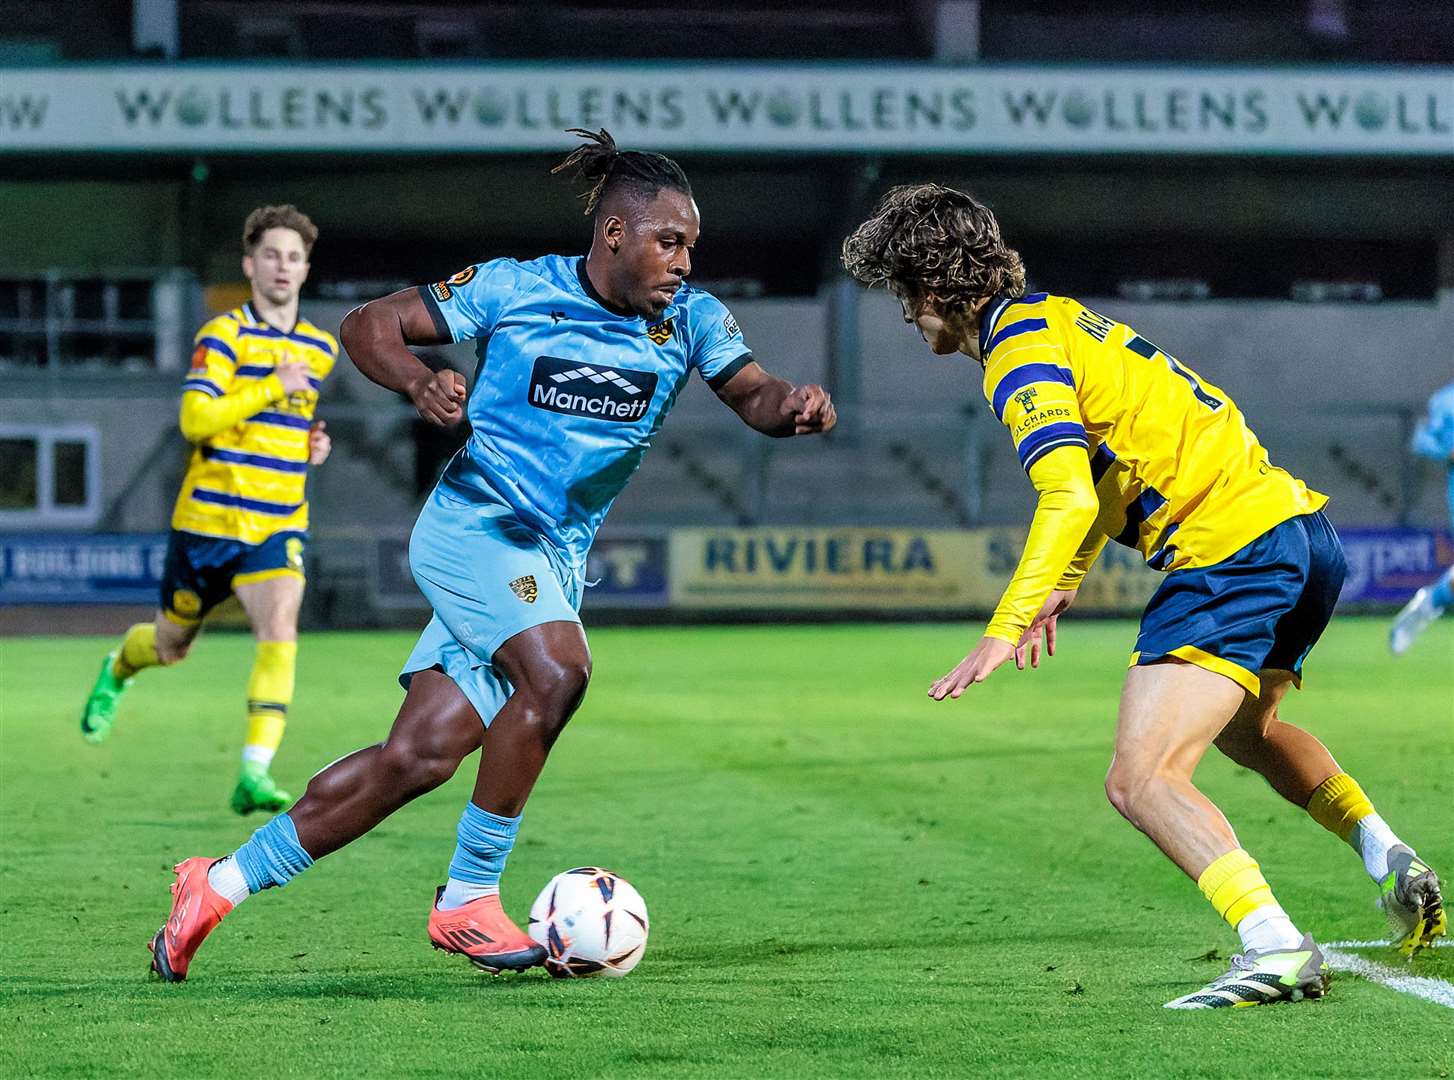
[
  {"x": 202, "y": 571},
  {"x": 488, "y": 577},
  {"x": 1262, "y": 608}
]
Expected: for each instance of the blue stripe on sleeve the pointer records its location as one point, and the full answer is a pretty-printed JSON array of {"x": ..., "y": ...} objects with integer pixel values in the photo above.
[
  {"x": 206, "y": 386},
  {"x": 1016, "y": 379},
  {"x": 1141, "y": 508},
  {"x": 261, "y": 461},
  {"x": 1101, "y": 460},
  {"x": 217, "y": 345},
  {"x": 1023, "y": 326},
  {"x": 1038, "y": 443},
  {"x": 281, "y": 420},
  {"x": 257, "y": 506}
]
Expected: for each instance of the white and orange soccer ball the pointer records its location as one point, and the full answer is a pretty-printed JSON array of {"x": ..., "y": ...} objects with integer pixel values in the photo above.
[{"x": 591, "y": 922}]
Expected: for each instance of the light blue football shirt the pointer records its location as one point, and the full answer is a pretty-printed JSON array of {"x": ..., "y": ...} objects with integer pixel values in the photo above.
[
  {"x": 1434, "y": 435},
  {"x": 568, "y": 391}
]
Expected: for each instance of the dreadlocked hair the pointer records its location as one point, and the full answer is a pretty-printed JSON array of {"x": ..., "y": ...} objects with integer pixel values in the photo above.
[
  {"x": 605, "y": 168},
  {"x": 926, "y": 238}
]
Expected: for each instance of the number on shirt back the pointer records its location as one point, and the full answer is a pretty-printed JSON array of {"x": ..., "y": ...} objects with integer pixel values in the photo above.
[{"x": 1141, "y": 347}]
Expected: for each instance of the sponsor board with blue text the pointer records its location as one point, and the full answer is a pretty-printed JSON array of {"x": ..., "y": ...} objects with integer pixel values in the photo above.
[
  {"x": 81, "y": 568},
  {"x": 1386, "y": 566}
]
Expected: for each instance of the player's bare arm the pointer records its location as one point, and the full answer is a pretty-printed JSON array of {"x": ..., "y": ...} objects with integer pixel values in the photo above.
[
  {"x": 376, "y": 337},
  {"x": 775, "y": 406}
]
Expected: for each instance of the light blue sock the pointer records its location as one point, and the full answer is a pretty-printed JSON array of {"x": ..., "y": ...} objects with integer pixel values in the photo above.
[
  {"x": 1443, "y": 594},
  {"x": 485, "y": 840},
  {"x": 272, "y": 856}
]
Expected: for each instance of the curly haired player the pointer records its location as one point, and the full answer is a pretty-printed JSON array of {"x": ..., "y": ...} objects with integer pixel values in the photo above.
[{"x": 1124, "y": 442}]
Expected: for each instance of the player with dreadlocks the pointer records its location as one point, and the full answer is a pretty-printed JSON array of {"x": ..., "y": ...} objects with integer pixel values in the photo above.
[
  {"x": 580, "y": 359},
  {"x": 1123, "y": 442}
]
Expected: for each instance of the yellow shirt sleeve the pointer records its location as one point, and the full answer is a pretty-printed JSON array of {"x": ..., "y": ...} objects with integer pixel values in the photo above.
[
  {"x": 203, "y": 416},
  {"x": 1065, "y": 512},
  {"x": 209, "y": 403},
  {"x": 1030, "y": 386},
  {"x": 1084, "y": 558}
]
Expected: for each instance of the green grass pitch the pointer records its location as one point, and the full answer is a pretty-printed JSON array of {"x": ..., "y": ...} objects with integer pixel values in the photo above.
[{"x": 844, "y": 878}]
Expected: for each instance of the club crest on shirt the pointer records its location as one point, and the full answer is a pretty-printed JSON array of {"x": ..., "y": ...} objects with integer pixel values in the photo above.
[
  {"x": 524, "y": 588},
  {"x": 661, "y": 333}
]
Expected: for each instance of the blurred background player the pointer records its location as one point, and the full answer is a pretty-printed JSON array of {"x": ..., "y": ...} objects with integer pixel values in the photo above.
[
  {"x": 1099, "y": 417},
  {"x": 586, "y": 358},
  {"x": 241, "y": 518},
  {"x": 1433, "y": 438}
]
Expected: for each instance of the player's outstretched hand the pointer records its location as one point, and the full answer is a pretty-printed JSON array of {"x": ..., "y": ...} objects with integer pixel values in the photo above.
[
  {"x": 989, "y": 654},
  {"x": 439, "y": 396},
  {"x": 293, "y": 374},
  {"x": 811, "y": 409},
  {"x": 320, "y": 443},
  {"x": 1042, "y": 629}
]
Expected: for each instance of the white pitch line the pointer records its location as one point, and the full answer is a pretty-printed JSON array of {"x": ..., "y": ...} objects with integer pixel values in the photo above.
[
  {"x": 1441, "y": 943},
  {"x": 1430, "y": 989}
]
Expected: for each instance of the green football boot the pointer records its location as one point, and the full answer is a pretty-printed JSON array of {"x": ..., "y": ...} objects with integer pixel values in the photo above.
[
  {"x": 256, "y": 790},
  {"x": 100, "y": 711}
]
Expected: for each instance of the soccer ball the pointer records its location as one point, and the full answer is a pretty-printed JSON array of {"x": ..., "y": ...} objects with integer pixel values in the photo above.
[{"x": 591, "y": 922}]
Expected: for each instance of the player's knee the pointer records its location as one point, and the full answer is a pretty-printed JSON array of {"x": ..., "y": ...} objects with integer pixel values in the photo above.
[
  {"x": 553, "y": 694},
  {"x": 1243, "y": 740},
  {"x": 1118, "y": 791},
  {"x": 417, "y": 765},
  {"x": 1128, "y": 787}
]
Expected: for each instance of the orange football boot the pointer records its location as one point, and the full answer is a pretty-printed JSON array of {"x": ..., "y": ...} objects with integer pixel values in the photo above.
[
  {"x": 483, "y": 932},
  {"x": 197, "y": 908}
]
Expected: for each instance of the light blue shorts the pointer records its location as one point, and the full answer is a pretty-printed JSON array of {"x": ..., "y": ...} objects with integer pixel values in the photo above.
[{"x": 488, "y": 577}]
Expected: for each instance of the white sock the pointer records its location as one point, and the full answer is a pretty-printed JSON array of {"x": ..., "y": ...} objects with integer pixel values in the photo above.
[
  {"x": 459, "y": 893},
  {"x": 259, "y": 755},
  {"x": 1371, "y": 839},
  {"x": 225, "y": 877},
  {"x": 1268, "y": 929}
]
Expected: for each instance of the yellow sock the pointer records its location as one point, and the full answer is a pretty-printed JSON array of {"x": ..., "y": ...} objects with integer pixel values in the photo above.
[
  {"x": 1235, "y": 886},
  {"x": 269, "y": 693},
  {"x": 138, "y": 650},
  {"x": 1339, "y": 805}
]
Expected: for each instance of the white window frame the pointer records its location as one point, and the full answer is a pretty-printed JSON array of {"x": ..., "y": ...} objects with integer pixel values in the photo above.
[{"x": 46, "y": 513}]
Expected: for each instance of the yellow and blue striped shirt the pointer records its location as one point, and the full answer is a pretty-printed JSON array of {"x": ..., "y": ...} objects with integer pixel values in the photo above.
[
  {"x": 246, "y": 478},
  {"x": 1094, "y": 406}
]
